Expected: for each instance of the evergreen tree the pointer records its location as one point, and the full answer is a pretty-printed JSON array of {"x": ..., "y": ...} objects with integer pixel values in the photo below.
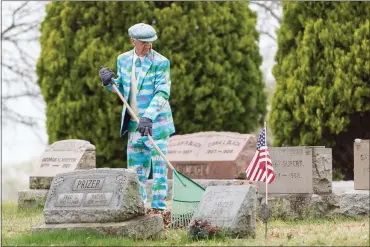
[
  {"x": 322, "y": 96},
  {"x": 214, "y": 55}
]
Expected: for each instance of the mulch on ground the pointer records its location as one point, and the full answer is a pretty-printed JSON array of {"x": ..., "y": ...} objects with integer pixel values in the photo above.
[{"x": 166, "y": 214}]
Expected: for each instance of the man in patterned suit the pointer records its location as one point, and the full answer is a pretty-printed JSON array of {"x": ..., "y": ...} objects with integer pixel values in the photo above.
[{"x": 144, "y": 81}]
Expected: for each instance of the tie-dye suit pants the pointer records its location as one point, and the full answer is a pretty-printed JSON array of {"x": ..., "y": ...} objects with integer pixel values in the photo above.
[{"x": 141, "y": 155}]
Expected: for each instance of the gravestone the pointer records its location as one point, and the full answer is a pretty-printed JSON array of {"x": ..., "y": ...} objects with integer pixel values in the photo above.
[
  {"x": 62, "y": 156},
  {"x": 362, "y": 165},
  {"x": 211, "y": 155},
  {"x": 300, "y": 170},
  {"x": 97, "y": 195},
  {"x": 59, "y": 157},
  {"x": 231, "y": 208},
  {"x": 322, "y": 170},
  {"x": 105, "y": 200}
]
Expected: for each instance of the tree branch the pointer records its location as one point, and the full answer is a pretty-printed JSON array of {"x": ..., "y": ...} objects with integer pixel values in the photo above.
[
  {"x": 269, "y": 9},
  {"x": 18, "y": 63},
  {"x": 268, "y": 34},
  {"x": 21, "y": 95}
]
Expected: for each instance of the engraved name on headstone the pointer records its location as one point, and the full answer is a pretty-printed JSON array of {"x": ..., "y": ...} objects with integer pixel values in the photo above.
[
  {"x": 98, "y": 199},
  {"x": 232, "y": 208},
  {"x": 63, "y": 156},
  {"x": 57, "y": 162},
  {"x": 293, "y": 169},
  {"x": 69, "y": 200},
  {"x": 211, "y": 155},
  {"x": 362, "y": 165},
  {"x": 186, "y": 148},
  {"x": 223, "y": 207},
  {"x": 85, "y": 184},
  {"x": 96, "y": 195}
]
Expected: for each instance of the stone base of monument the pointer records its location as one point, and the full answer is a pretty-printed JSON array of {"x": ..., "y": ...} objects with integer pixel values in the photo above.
[
  {"x": 59, "y": 157},
  {"x": 32, "y": 198},
  {"x": 41, "y": 182},
  {"x": 343, "y": 201},
  {"x": 142, "y": 227},
  {"x": 105, "y": 200}
]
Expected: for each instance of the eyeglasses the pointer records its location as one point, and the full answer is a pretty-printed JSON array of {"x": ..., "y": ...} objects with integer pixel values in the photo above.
[{"x": 142, "y": 42}]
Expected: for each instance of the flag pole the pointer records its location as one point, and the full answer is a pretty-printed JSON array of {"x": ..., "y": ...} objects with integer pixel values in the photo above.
[{"x": 266, "y": 201}]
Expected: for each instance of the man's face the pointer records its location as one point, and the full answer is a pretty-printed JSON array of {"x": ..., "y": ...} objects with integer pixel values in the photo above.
[{"x": 142, "y": 48}]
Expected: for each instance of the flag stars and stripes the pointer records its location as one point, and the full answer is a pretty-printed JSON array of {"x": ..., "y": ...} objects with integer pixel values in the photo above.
[{"x": 260, "y": 168}]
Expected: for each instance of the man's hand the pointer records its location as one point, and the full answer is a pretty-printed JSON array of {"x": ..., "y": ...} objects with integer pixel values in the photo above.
[
  {"x": 145, "y": 126},
  {"x": 106, "y": 75}
]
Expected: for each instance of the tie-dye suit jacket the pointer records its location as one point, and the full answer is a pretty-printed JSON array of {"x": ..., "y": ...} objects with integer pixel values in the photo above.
[{"x": 153, "y": 92}]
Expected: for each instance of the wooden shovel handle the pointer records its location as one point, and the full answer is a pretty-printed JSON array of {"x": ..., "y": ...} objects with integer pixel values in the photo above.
[{"x": 137, "y": 120}]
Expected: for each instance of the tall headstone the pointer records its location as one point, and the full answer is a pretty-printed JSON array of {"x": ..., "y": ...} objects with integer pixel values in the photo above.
[
  {"x": 99, "y": 199},
  {"x": 63, "y": 156},
  {"x": 211, "y": 155},
  {"x": 362, "y": 164},
  {"x": 59, "y": 157},
  {"x": 231, "y": 208},
  {"x": 300, "y": 170}
]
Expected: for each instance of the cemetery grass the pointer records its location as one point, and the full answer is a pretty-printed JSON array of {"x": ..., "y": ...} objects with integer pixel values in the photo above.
[{"x": 16, "y": 225}]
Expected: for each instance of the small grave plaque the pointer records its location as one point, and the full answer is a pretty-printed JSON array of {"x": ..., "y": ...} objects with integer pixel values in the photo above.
[
  {"x": 94, "y": 196},
  {"x": 211, "y": 155},
  {"x": 362, "y": 165},
  {"x": 293, "y": 169},
  {"x": 232, "y": 208},
  {"x": 62, "y": 156}
]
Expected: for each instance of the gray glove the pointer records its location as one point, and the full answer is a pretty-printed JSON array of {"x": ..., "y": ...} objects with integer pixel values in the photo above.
[
  {"x": 106, "y": 75},
  {"x": 145, "y": 126}
]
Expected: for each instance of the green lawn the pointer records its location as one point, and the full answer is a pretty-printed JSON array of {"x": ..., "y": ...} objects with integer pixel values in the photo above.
[{"x": 16, "y": 225}]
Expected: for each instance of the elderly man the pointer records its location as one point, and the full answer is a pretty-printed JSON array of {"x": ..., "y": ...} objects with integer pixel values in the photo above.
[{"x": 144, "y": 81}]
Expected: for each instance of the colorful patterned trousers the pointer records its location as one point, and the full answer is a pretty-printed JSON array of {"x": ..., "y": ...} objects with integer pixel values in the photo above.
[{"x": 141, "y": 154}]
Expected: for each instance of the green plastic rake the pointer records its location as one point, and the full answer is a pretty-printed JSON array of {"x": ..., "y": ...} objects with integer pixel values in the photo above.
[{"x": 186, "y": 194}]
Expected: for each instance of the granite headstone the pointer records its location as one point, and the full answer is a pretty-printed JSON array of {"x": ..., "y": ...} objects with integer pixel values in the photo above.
[
  {"x": 211, "y": 155},
  {"x": 293, "y": 169},
  {"x": 231, "y": 208},
  {"x": 95, "y": 196},
  {"x": 362, "y": 165},
  {"x": 106, "y": 201},
  {"x": 62, "y": 156}
]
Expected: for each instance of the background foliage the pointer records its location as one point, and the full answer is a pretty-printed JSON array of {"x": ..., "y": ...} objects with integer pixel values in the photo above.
[
  {"x": 322, "y": 94},
  {"x": 216, "y": 81}
]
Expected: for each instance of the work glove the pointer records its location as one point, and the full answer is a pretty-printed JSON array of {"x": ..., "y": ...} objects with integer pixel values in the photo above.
[
  {"x": 106, "y": 75},
  {"x": 145, "y": 126}
]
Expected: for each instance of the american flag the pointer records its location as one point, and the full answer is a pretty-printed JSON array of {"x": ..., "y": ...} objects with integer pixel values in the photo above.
[{"x": 260, "y": 166}]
